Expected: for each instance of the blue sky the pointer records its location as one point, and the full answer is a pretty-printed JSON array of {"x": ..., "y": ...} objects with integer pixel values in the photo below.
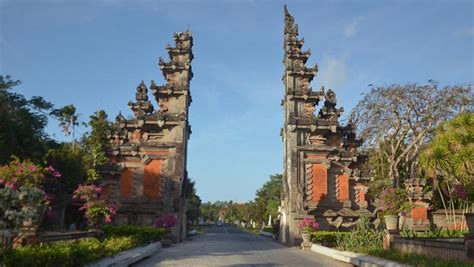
[{"x": 94, "y": 53}]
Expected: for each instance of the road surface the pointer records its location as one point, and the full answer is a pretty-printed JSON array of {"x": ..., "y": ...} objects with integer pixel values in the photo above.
[{"x": 230, "y": 246}]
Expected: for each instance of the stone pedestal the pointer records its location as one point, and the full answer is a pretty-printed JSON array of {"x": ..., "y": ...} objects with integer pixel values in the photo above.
[
  {"x": 306, "y": 244},
  {"x": 388, "y": 237}
]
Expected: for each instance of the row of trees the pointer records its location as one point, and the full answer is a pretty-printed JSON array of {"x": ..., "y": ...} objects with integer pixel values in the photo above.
[{"x": 265, "y": 204}]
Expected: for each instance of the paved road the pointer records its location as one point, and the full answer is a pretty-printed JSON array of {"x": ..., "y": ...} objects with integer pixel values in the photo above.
[{"x": 230, "y": 246}]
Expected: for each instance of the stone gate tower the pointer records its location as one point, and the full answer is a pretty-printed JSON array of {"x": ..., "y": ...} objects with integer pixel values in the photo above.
[
  {"x": 147, "y": 173},
  {"x": 321, "y": 165}
]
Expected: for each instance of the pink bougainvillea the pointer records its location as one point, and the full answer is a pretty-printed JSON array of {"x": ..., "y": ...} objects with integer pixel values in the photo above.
[
  {"x": 166, "y": 220},
  {"x": 96, "y": 209},
  {"x": 308, "y": 225}
]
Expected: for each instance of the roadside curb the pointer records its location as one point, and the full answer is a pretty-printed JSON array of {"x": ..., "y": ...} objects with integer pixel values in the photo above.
[
  {"x": 266, "y": 234},
  {"x": 127, "y": 257},
  {"x": 355, "y": 258}
]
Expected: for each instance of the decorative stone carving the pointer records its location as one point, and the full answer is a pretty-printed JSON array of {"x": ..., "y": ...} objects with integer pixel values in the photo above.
[
  {"x": 419, "y": 213},
  {"x": 148, "y": 152},
  {"x": 321, "y": 158}
]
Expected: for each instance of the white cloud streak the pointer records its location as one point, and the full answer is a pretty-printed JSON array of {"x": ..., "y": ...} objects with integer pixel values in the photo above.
[
  {"x": 352, "y": 28},
  {"x": 333, "y": 73}
]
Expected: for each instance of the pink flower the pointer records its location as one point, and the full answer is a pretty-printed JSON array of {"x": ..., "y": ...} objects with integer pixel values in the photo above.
[
  {"x": 57, "y": 174},
  {"x": 50, "y": 169},
  {"x": 11, "y": 185},
  {"x": 2, "y": 181},
  {"x": 32, "y": 168},
  {"x": 99, "y": 190}
]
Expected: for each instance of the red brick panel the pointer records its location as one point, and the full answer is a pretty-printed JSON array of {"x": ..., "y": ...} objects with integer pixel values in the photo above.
[
  {"x": 320, "y": 182},
  {"x": 360, "y": 193},
  {"x": 151, "y": 180},
  {"x": 126, "y": 183},
  {"x": 419, "y": 213},
  {"x": 343, "y": 187}
]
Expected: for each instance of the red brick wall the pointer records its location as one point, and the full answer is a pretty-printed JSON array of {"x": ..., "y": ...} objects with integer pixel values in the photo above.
[
  {"x": 320, "y": 182},
  {"x": 151, "y": 180},
  {"x": 126, "y": 183},
  {"x": 343, "y": 187}
]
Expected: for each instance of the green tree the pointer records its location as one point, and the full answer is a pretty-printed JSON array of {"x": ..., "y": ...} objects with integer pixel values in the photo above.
[
  {"x": 95, "y": 143},
  {"x": 268, "y": 198},
  {"x": 22, "y": 123},
  {"x": 194, "y": 204},
  {"x": 448, "y": 160},
  {"x": 68, "y": 119}
]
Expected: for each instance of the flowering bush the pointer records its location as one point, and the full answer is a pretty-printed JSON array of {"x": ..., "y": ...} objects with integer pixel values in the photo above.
[
  {"x": 96, "y": 209},
  {"x": 166, "y": 221},
  {"x": 23, "y": 199},
  {"x": 25, "y": 173},
  {"x": 393, "y": 201},
  {"x": 308, "y": 225}
]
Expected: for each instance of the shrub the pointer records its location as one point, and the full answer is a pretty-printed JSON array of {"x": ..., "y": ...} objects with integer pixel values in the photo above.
[
  {"x": 166, "y": 220},
  {"x": 327, "y": 238},
  {"x": 68, "y": 253},
  {"x": 362, "y": 239},
  {"x": 308, "y": 225},
  {"x": 143, "y": 234},
  {"x": 96, "y": 209}
]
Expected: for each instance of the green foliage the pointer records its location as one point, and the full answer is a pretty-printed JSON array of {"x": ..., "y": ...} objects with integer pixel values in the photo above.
[
  {"x": 67, "y": 118},
  {"x": 268, "y": 197},
  {"x": 19, "y": 205},
  {"x": 143, "y": 234},
  {"x": 393, "y": 200},
  {"x": 70, "y": 163},
  {"x": 22, "y": 123},
  {"x": 362, "y": 239},
  {"x": 68, "y": 253},
  {"x": 416, "y": 259},
  {"x": 327, "y": 238},
  {"x": 95, "y": 143},
  {"x": 448, "y": 160},
  {"x": 266, "y": 203},
  {"x": 194, "y": 203},
  {"x": 432, "y": 233}
]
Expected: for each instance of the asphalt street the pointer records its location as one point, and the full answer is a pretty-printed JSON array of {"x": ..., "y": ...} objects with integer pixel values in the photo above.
[{"x": 230, "y": 246}]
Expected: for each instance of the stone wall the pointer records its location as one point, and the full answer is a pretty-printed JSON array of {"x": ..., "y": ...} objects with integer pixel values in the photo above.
[
  {"x": 445, "y": 248},
  {"x": 438, "y": 218}
]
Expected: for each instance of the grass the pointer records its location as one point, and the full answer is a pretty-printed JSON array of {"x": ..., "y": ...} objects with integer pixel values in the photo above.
[{"x": 417, "y": 259}]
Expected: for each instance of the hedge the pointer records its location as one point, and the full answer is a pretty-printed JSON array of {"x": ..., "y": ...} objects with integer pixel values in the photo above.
[
  {"x": 68, "y": 253},
  {"x": 143, "y": 234},
  {"x": 327, "y": 238},
  {"x": 84, "y": 251}
]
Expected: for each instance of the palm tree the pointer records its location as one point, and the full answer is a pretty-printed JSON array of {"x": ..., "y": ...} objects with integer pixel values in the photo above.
[{"x": 449, "y": 158}]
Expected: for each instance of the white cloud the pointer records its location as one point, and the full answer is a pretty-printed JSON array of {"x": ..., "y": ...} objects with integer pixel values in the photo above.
[
  {"x": 466, "y": 32},
  {"x": 333, "y": 73},
  {"x": 352, "y": 28}
]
